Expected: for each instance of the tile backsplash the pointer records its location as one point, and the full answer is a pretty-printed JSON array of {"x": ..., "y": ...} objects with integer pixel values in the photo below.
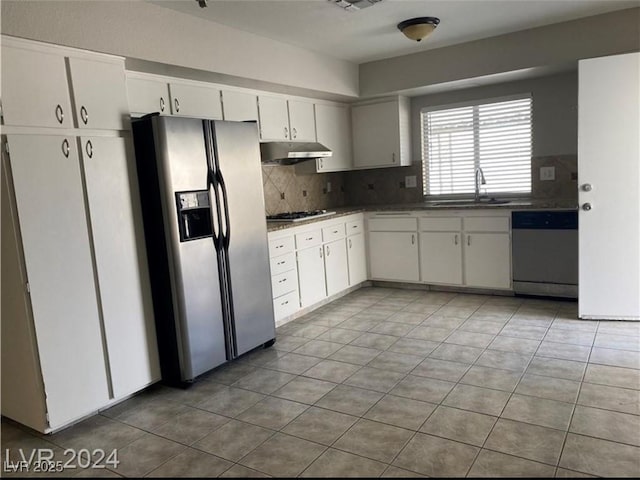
[{"x": 285, "y": 190}]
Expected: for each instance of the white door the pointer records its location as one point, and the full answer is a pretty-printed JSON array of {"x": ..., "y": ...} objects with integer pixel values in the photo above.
[
  {"x": 195, "y": 101},
  {"x": 55, "y": 237},
  {"x": 394, "y": 256},
  {"x": 121, "y": 264},
  {"x": 609, "y": 181},
  {"x": 239, "y": 106},
  {"x": 302, "y": 121},
  {"x": 34, "y": 89},
  {"x": 357, "y": 259},
  {"x": 333, "y": 127},
  {"x": 100, "y": 94},
  {"x": 336, "y": 267},
  {"x": 441, "y": 257},
  {"x": 311, "y": 275},
  {"x": 487, "y": 260},
  {"x": 274, "y": 118},
  {"x": 147, "y": 96}
]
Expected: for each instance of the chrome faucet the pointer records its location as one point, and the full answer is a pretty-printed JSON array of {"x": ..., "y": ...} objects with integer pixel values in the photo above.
[{"x": 478, "y": 182}]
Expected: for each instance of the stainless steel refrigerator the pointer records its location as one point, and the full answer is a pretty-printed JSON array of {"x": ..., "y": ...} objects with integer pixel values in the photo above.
[{"x": 205, "y": 228}]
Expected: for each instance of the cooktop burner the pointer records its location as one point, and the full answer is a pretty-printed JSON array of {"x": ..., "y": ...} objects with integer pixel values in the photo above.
[{"x": 297, "y": 216}]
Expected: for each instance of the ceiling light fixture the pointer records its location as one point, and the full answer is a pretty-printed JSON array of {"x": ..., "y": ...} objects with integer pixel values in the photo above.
[
  {"x": 418, "y": 28},
  {"x": 354, "y": 5}
]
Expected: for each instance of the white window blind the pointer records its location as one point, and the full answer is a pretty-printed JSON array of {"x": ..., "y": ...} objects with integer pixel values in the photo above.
[{"x": 493, "y": 135}]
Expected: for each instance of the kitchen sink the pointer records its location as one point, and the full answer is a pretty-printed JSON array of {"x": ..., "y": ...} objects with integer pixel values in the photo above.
[{"x": 462, "y": 203}]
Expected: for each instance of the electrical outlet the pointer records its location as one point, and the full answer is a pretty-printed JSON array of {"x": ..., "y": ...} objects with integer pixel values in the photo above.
[
  {"x": 547, "y": 173},
  {"x": 328, "y": 187},
  {"x": 410, "y": 181}
]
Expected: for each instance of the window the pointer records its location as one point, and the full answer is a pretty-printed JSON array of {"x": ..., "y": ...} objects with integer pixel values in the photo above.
[{"x": 494, "y": 135}]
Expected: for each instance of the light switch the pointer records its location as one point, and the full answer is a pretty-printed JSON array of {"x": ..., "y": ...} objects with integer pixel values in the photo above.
[
  {"x": 410, "y": 181},
  {"x": 547, "y": 173}
]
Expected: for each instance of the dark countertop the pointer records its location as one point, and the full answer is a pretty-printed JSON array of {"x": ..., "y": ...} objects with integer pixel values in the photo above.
[{"x": 518, "y": 204}]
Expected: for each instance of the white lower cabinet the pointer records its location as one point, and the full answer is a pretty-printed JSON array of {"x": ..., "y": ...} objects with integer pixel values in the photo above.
[
  {"x": 394, "y": 256},
  {"x": 441, "y": 257},
  {"x": 336, "y": 267},
  {"x": 311, "y": 273},
  {"x": 487, "y": 260},
  {"x": 357, "y": 259}
]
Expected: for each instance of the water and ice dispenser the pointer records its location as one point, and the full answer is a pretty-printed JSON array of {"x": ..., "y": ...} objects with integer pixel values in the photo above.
[{"x": 194, "y": 215}]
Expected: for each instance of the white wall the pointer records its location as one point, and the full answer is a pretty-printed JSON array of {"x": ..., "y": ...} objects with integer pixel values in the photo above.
[
  {"x": 557, "y": 44},
  {"x": 554, "y": 111},
  {"x": 145, "y": 31}
]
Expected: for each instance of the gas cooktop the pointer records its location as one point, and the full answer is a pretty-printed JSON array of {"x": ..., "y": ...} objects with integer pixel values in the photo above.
[{"x": 298, "y": 216}]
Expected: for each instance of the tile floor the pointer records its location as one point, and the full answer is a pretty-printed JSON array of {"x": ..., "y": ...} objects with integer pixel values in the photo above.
[{"x": 393, "y": 383}]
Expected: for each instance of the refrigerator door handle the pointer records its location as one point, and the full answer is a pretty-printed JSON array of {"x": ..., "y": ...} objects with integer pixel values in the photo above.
[
  {"x": 227, "y": 223},
  {"x": 215, "y": 221}
]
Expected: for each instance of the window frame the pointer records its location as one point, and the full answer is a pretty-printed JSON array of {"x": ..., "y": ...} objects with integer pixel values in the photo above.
[{"x": 470, "y": 103}]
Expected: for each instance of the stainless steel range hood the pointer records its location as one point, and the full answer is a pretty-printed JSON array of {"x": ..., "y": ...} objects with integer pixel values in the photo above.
[{"x": 289, "y": 153}]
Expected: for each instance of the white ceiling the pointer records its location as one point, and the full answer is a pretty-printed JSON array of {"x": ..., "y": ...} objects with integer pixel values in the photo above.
[{"x": 371, "y": 33}]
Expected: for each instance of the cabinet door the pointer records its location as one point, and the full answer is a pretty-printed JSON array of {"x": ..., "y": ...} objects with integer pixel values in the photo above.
[
  {"x": 121, "y": 264},
  {"x": 311, "y": 275},
  {"x": 357, "y": 259},
  {"x": 147, "y": 96},
  {"x": 333, "y": 127},
  {"x": 239, "y": 107},
  {"x": 336, "y": 267},
  {"x": 53, "y": 225},
  {"x": 274, "y": 118},
  {"x": 441, "y": 257},
  {"x": 195, "y": 101},
  {"x": 394, "y": 256},
  {"x": 302, "y": 121},
  {"x": 34, "y": 89},
  {"x": 487, "y": 260},
  {"x": 376, "y": 141},
  {"x": 100, "y": 94}
]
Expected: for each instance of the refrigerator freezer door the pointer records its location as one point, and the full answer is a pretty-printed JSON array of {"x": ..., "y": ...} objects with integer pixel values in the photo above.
[
  {"x": 238, "y": 154},
  {"x": 195, "y": 285}
]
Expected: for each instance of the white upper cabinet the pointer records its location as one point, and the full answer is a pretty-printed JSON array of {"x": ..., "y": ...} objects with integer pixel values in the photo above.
[
  {"x": 333, "y": 128},
  {"x": 34, "y": 88},
  {"x": 381, "y": 134},
  {"x": 274, "y": 118},
  {"x": 302, "y": 125},
  {"x": 286, "y": 120},
  {"x": 105, "y": 107},
  {"x": 195, "y": 101},
  {"x": 147, "y": 96},
  {"x": 239, "y": 106}
]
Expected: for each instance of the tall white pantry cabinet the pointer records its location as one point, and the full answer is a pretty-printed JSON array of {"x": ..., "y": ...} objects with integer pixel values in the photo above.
[{"x": 77, "y": 318}]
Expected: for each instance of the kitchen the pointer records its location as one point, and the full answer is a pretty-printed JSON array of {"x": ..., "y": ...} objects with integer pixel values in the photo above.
[{"x": 183, "y": 63}]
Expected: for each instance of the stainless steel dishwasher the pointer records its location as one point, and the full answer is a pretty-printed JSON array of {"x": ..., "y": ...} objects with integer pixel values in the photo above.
[{"x": 544, "y": 248}]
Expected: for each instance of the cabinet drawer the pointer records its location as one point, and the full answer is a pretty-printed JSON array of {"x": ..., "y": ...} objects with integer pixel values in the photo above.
[
  {"x": 333, "y": 233},
  {"x": 280, "y": 246},
  {"x": 393, "y": 224},
  {"x": 284, "y": 283},
  {"x": 441, "y": 224},
  {"x": 286, "y": 305},
  {"x": 486, "y": 224},
  {"x": 283, "y": 263},
  {"x": 308, "y": 239},
  {"x": 356, "y": 226}
]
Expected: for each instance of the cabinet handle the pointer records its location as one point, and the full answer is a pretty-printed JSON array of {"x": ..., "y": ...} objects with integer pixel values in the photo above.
[
  {"x": 295, "y": 133},
  {"x": 349, "y": 243},
  {"x": 393, "y": 158},
  {"x": 161, "y": 104},
  {"x": 59, "y": 114},
  {"x": 279, "y": 246},
  {"x": 321, "y": 164},
  {"x": 335, "y": 231},
  {"x": 89, "y": 149},
  {"x": 286, "y": 132},
  {"x": 177, "y": 104},
  {"x": 282, "y": 262},
  {"x": 284, "y": 303},
  {"x": 468, "y": 240},
  {"x": 65, "y": 148},
  {"x": 308, "y": 239},
  {"x": 413, "y": 239},
  {"x": 84, "y": 115},
  {"x": 455, "y": 239},
  {"x": 320, "y": 252},
  {"x": 282, "y": 281},
  {"x": 328, "y": 251}
]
